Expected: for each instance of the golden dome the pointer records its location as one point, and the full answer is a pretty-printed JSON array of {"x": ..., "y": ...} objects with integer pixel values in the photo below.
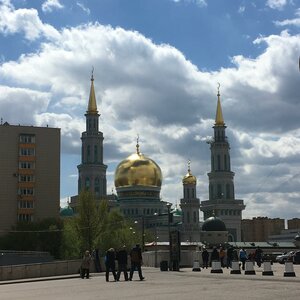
[
  {"x": 138, "y": 169},
  {"x": 189, "y": 178}
]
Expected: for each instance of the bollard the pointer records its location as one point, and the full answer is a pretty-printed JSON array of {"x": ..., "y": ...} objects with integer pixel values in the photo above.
[
  {"x": 216, "y": 267},
  {"x": 235, "y": 266},
  {"x": 249, "y": 269},
  {"x": 196, "y": 266},
  {"x": 289, "y": 269},
  {"x": 267, "y": 268}
]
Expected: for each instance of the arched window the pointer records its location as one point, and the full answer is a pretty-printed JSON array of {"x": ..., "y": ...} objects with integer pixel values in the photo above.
[
  {"x": 188, "y": 217},
  {"x": 95, "y": 153},
  {"x": 195, "y": 217},
  {"x": 87, "y": 183},
  {"x": 97, "y": 186},
  {"x": 88, "y": 153}
]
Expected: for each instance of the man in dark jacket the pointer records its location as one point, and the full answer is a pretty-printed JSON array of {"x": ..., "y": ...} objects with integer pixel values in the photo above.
[
  {"x": 136, "y": 262},
  {"x": 122, "y": 263},
  {"x": 110, "y": 263}
]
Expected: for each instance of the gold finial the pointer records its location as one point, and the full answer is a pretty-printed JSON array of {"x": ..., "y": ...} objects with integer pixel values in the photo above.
[
  {"x": 137, "y": 145},
  {"x": 189, "y": 166},
  {"x": 92, "y": 77},
  {"x": 219, "y": 115}
]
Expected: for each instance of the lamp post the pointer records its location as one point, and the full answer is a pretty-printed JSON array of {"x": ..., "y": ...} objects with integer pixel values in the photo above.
[
  {"x": 143, "y": 232},
  {"x": 169, "y": 232}
]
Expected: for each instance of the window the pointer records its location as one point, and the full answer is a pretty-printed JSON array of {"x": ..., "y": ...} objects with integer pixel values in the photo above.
[
  {"x": 88, "y": 153},
  {"x": 97, "y": 186},
  {"x": 219, "y": 162},
  {"x": 27, "y": 138},
  {"x": 26, "y": 191},
  {"x": 25, "y": 204},
  {"x": 219, "y": 190},
  {"x": 95, "y": 154},
  {"x": 188, "y": 217},
  {"x": 225, "y": 162},
  {"x": 27, "y": 151},
  {"x": 194, "y": 217},
  {"x": 26, "y": 178},
  {"x": 26, "y": 165},
  {"x": 228, "y": 191},
  {"x": 25, "y": 218},
  {"x": 87, "y": 183}
]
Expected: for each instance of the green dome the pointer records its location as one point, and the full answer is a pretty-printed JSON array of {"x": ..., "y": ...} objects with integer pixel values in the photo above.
[
  {"x": 177, "y": 212},
  {"x": 213, "y": 224},
  {"x": 66, "y": 212}
]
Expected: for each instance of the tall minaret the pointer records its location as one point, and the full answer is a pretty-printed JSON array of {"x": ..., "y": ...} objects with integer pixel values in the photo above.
[
  {"x": 190, "y": 205},
  {"x": 92, "y": 171},
  {"x": 222, "y": 200}
]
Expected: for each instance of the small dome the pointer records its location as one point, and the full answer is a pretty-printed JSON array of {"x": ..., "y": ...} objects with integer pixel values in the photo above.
[
  {"x": 177, "y": 212},
  {"x": 297, "y": 237},
  {"x": 138, "y": 169},
  {"x": 66, "y": 212},
  {"x": 189, "y": 178},
  {"x": 213, "y": 224}
]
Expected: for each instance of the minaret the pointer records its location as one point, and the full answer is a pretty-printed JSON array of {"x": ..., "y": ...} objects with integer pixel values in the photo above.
[
  {"x": 92, "y": 171},
  {"x": 221, "y": 186},
  {"x": 190, "y": 205}
]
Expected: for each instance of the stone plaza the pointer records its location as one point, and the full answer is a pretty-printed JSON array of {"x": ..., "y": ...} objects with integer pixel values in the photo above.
[{"x": 184, "y": 284}]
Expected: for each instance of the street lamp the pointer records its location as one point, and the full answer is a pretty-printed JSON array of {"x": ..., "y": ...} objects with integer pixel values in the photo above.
[
  {"x": 143, "y": 232},
  {"x": 169, "y": 232}
]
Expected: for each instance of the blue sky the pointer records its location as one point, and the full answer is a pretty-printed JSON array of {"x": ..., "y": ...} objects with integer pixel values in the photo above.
[{"x": 157, "y": 66}]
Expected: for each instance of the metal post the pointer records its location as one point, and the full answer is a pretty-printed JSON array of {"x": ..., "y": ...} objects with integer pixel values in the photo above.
[
  {"x": 143, "y": 233},
  {"x": 169, "y": 233}
]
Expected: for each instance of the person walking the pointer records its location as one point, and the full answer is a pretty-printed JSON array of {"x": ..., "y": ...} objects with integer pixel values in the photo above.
[
  {"x": 122, "y": 263},
  {"x": 258, "y": 256},
  {"x": 214, "y": 256},
  {"x": 85, "y": 265},
  {"x": 222, "y": 256},
  {"x": 205, "y": 257},
  {"x": 136, "y": 262},
  {"x": 243, "y": 257},
  {"x": 229, "y": 257},
  {"x": 110, "y": 264}
]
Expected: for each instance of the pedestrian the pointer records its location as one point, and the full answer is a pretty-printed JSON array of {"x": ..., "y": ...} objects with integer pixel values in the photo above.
[
  {"x": 110, "y": 264},
  {"x": 258, "y": 256},
  {"x": 243, "y": 257},
  {"x": 222, "y": 256},
  {"x": 229, "y": 257},
  {"x": 136, "y": 262},
  {"x": 122, "y": 263},
  {"x": 205, "y": 256},
  {"x": 85, "y": 265},
  {"x": 214, "y": 256},
  {"x": 96, "y": 260}
]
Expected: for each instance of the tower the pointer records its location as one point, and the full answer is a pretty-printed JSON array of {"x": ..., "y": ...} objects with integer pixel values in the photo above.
[
  {"x": 222, "y": 200},
  {"x": 92, "y": 170},
  {"x": 190, "y": 205}
]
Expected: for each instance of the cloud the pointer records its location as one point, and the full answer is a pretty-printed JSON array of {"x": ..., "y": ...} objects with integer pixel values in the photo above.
[
  {"x": 200, "y": 3},
  {"x": 84, "y": 8},
  {"x": 50, "y": 5},
  {"x": 277, "y": 4},
  {"x": 154, "y": 91},
  {"x": 24, "y": 21},
  {"x": 287, "y": 22}
]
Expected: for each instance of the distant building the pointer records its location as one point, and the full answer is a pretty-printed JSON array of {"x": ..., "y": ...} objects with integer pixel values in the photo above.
[
  {"x": 222, "y": 202},
  {"x": 259, "y": 229},
  {"x": 30, "y": 174},
  {"x": 294, "y": 223}
]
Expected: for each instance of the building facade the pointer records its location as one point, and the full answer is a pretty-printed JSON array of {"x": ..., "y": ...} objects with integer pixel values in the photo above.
[
  {"x": 294, "y": 223},
  {"x": 222, "y": 202},
  {"x": 30, "y": 172},
  {"x": 259, "y": 229}
]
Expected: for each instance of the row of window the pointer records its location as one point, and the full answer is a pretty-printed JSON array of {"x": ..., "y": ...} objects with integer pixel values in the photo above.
[
  {"x": 229, "y": 212},
  {"x": 189, "y": 193},
  {"x": 186, "y": 217},
  {"x": 26, "y": 165},
  {"x": 146, "y": 211},
  {"x": 25, "y": 218},
  {"x": 89, "y": 158},
  {"x": 217, "y": 192},
  {"x": 26, "y": 191},
  {"x": 25, "y": 204},
  {"x": 220, "y": 166},
  {"x": 26, "y": 178},
  {"x": 27, "y": 138},
  {"x": 27, "y": 151}
]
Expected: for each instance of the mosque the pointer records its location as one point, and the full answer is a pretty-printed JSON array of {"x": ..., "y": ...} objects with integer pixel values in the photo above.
[{"x": 138, "y": 180}]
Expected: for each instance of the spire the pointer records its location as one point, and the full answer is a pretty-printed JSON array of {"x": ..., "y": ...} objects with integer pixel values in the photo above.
[
  {"x": 219, "y": 114},
  {"x": 92, "y": 107},
  {"x": 189, "y": 166},
  {"x": 137, "y": 145}
]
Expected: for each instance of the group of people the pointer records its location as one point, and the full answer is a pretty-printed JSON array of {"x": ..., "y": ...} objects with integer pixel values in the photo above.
[
  {"x": 121, "y": 257},
  {"x": 231, "y": 254}
]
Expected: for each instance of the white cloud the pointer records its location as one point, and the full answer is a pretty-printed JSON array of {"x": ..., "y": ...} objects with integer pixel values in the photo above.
[
  {"x": 49, "y": 5},
  {"x": 200, "y": 3},
  {"x": 241, "y": 9},
  {"x": 84, "y": 8},
  {"x": 25, "y": 21},
  {"x": 294, "y": 22},
  {"x": 276, "y": 4}
]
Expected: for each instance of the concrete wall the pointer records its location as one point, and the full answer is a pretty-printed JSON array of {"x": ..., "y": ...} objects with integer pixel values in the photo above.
[
  {"x": 56, "y": 268},
  {"x": 187, "y": 258}
]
